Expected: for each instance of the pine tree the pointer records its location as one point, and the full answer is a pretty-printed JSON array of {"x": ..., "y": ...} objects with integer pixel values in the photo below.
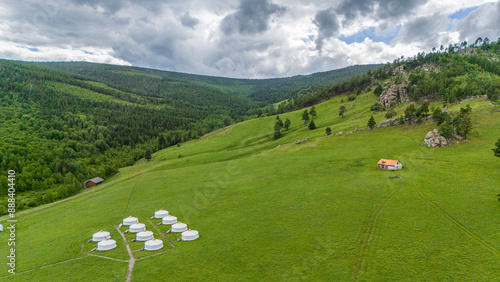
[
  {"x": 342, "y": 110},
  {"x": 328, "y": 131},
  {"x": 496, "y": 151},
  {"x": 148, "y": 155},
  {"x": 371, "y": 122},
  {"x": 277, "y": 128},
  {"x": 409, "y": 111},
  {"x": 305, "y": 117},
  {"x": 312, "y": 112},
  {"x": 259, "y": 113},
  {"x": 287, "y": 123},
  {"x": 424, "y": 108},
  {"x": 161, "y": 142},
  {"x": 390, "y": 114},
  {"x": 312, "y": 125}
]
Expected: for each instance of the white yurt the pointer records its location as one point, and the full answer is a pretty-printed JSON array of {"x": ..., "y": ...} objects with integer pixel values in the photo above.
[
  {"x": 106, "y": 245},
  {"x": 179, "y": 227},
  {"x": 130, "y": 220},
  {"x": 144, "y": 235},
  {"x": 137, "y": 227},
  {"x": 169, "y": 220},
  {"x": 1, "y": 228},
  {"x": 190, "y": 235},
  {"x": 153, "y": 245},
  {"x": 101, "y": 235},
  {"x": 161, "y": 213}
]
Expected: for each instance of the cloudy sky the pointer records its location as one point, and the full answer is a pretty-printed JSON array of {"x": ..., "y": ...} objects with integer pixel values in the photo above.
[{"x": 246, "y": 38}]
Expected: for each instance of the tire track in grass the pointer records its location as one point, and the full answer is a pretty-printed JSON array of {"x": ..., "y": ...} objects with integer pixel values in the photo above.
[
  {"x": 368, "y": 237},
  {"x": 457, "y": 224},
  {"x": 42, "y": 267}
]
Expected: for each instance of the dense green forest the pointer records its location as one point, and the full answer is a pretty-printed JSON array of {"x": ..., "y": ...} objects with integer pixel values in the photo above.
[
  {"x": 58, "y": 130},
  {"x": 63, "y": 123},
  {"x": 147, "y": 81}
]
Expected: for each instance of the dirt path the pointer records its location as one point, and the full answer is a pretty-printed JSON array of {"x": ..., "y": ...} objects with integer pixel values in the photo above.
[
  {"x": 131, "y": 261},
  {"x": 115, "y": 259},
  {"x": 162, "y": 234}
]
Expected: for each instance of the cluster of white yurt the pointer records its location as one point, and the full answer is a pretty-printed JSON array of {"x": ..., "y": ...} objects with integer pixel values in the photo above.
[
  {"x": 130, "y": 220},
  {"x": 160, "y": 214},
  {"x": 190, "y": 235},
  {"x": 153, "y": 245},
  {"x": 169, "y": 220},
  {"x": 144, "y": 235},
  {"x": 136, "y": 227},
  {"x": 100, "y": 236},
  {"x": 104, "y": 242},
  {"x": 179, "y": 227},
  {"x": 106, "y": 245}
]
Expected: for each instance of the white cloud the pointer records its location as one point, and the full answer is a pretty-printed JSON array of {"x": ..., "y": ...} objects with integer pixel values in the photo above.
[{"x": 278, "y": 39}]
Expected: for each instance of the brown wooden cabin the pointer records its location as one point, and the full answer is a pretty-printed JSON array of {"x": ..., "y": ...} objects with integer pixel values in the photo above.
[{"x": 93, "y": 182}]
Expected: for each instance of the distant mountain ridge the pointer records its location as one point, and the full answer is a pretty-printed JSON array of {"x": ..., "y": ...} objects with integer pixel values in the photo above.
[{"x": 269, "y": 90}]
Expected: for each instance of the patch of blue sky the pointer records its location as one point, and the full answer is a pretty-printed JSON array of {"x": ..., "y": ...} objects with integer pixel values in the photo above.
[
  {"x": 309, "y": 38},
  {"x": 370, "y": 33},
  {"x": 32, "y": 49},
  {"x": 462, "y": 13},
  {"x": 84, "y": 51}
]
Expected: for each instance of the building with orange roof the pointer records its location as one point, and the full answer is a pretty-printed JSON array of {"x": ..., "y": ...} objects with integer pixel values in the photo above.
[{"x": 389, "y": 164}]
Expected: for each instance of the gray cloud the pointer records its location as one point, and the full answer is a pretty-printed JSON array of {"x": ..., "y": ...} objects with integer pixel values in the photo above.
[
  {"x": 483, "y": 22},
  {"x": 353, "y": 9},
  {"x": 251, "y": 17},
  {"x": 328, "y": 26},
  {"x": 424, "y": 31},
  {"x": 238, "y": 38},
  {"x": 329, "y": 21},
  {"x": 189, "y": 21},
  {"x": 396, "y": 8},
  {"x": 110, "y": 6}
]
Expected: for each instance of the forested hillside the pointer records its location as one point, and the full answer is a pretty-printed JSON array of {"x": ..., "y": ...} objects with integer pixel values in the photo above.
[
  {"x": 452, "y": 73},
  {"x": 58, "y": 129},
  {"x": 148, "y": 81},
  {"x": 63, "y": 123}
]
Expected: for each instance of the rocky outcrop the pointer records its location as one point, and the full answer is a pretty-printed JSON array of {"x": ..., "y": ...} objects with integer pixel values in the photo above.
[
  {"x": 302, "y": 141},
  {"x": 400, "y": 70},
  {"x": 388, "y": 122},
  {"x": 395, "y": 93},
  {"x": 435, "y": 139}
]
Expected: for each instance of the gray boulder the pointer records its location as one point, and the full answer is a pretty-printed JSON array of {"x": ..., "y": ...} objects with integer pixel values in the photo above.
[{"x": 435, "y": 139}]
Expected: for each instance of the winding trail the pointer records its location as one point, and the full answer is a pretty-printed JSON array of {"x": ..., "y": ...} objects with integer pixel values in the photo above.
[
  {"x": 457, "y": 224},
  {"x": 131, "y": 261},
  {"x": 368, "y": 236}
]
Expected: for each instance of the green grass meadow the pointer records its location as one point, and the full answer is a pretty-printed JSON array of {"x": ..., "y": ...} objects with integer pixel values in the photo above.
[{"x": 320, "y": 210}]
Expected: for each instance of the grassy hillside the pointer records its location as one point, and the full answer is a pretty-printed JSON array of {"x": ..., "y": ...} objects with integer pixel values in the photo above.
[
  {"x": 64, "y": 123},
  {"x": 58, "y": 129},
  {"x": 320, "y": 210}
]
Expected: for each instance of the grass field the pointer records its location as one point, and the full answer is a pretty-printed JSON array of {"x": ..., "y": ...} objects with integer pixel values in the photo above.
[{"x": 320, "y": 210}]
